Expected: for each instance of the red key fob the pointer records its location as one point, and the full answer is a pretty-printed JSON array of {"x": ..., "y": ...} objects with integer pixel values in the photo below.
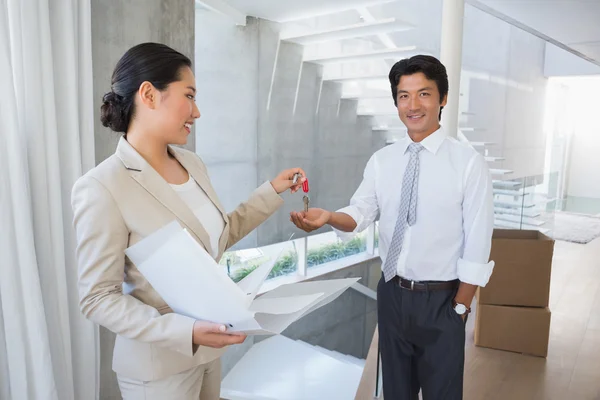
[{"x": 305, "y": 186}]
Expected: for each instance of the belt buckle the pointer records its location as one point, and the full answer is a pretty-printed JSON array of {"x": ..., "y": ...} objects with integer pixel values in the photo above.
[{"x": 412, "y": 285}]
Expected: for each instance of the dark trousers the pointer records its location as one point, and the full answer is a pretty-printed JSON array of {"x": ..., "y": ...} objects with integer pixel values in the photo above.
[{"x": 422, "y": 343}]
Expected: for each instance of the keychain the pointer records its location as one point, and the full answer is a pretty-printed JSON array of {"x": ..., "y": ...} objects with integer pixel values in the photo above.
[
  {"x": 305, "y": 198},
  {"x": 305, "y": 188}
]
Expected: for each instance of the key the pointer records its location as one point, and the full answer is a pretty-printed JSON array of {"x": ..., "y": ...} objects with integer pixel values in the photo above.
[
  {"x": 296, "y": 176},
  {"x": 306, "y": 202}
]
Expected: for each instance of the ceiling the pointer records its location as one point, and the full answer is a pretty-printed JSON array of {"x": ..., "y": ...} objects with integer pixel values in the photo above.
[
  {"x": 286, "y": 10},
  {"x": 572, "y": 23}
]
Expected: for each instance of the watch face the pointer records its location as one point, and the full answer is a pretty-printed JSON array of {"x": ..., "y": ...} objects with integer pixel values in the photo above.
[{"x": 460, "y": 309}]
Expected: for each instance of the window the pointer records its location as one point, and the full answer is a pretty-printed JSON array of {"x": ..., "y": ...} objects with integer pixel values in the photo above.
[
  {"x": 295, "y": 256},
  {"x": 240, "y": 263},
  {"x": 327, "y": 247}
]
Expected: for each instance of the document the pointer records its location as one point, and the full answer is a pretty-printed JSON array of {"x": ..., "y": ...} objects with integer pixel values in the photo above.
[{"x": 193, "y": 284}]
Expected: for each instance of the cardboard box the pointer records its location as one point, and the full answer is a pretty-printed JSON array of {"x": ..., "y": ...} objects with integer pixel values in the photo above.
[
  {"x": 519, "y": 329},
  {"x": 521, "y": 276}
]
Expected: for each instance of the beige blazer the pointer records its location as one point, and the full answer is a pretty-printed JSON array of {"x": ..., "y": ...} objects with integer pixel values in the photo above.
[{"x": 115, "y": 205}]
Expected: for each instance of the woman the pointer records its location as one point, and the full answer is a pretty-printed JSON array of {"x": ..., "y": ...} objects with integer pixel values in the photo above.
[{"x": 145, "y": 185}]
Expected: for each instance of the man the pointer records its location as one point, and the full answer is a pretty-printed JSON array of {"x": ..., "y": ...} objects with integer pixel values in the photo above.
[{"x": 434, "y": 196}]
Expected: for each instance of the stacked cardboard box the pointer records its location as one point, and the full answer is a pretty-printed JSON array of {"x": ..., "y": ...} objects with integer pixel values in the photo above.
[{"x": 512, "y": 309}]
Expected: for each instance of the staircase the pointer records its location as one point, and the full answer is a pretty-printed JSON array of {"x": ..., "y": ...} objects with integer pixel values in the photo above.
[
  {"x": 358, "y": 55},
  {"x": 279, "y": 368},
  {"x": 521, "y": 204}
]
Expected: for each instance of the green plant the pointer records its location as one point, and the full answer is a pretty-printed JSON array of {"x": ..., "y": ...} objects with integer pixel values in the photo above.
[
  {"x": 335, "y": 251},
  {"x": 284, "y": 265},
  {"x": 242, "y": 273},
  {"x": 288, "y": 262}
]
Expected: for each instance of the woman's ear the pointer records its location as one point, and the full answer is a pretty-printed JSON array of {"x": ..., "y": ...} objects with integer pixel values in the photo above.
[{"x": 147, "y": 94}]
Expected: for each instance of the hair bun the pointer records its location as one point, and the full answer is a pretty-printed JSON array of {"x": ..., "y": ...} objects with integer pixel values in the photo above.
[
  {"x": 112, "y": 97},
  {"x": 113, "y": 113}
]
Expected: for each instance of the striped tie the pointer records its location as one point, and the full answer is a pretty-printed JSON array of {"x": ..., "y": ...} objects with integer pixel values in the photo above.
[{"x": 407, "y": 212}]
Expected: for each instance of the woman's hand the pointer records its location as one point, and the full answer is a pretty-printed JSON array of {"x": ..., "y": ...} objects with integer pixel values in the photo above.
[
  {"x": 214, "y": 335},
  {"x": 284, "y": 180}
]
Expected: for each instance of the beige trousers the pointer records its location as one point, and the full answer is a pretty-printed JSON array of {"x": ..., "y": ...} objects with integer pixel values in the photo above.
[{"x": 199, "y": 383}]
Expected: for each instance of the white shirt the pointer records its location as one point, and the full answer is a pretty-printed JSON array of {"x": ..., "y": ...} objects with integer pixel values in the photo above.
[
  {"x": 455, "y": 212},
  {"x": 204, "y": 209}
]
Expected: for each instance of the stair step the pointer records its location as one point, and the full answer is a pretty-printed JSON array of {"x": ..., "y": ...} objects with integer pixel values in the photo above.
[
  {"x": 282, "y": 368},
  {"x": 471, "y": 129},
  {"x": 506, "y": 183},
  {"x": 481, "y": 144},
  {"x": 499, "y": 171},
  {"x": 398, "y": 52},
  {"x": 516, "y": 211},
  {"x": 348, "y": 31},
  {"x": 389, "y": 128},
  {"x": 508, "y": 204},
  {"x": 367, "y": 95},
  {"x": 392, "y": 113},
  {"x": 357, "y": 78},
  {"x": 519, "y": 219},
  {"x": 509, "y": 192},
  {"x": 510, "y": 225}
]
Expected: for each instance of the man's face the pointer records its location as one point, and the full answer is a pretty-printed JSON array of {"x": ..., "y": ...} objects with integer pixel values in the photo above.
[{"x": 419, "y": 103}]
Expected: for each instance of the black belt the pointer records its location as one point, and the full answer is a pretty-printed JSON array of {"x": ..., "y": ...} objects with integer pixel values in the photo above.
[{"x": 425, "y": 285}]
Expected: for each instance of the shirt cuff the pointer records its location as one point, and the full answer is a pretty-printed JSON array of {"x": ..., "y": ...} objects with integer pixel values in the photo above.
[
  {"x": 474, "y": 273},
  {"x": 356, "y": 216}
]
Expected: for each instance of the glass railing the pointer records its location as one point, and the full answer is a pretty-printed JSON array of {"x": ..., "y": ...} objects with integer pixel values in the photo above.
[
  {"x": 324, "y": 354},
  {"x": 527, "y": 203},
  {"x": 299, "y": 255},
  {"x": 523, "y": 203}
]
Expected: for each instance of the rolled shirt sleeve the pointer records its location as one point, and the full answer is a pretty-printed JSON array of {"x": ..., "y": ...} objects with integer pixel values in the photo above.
[
  {"x": 474, "y": 267},
  {"x": 363, "y": 206}
]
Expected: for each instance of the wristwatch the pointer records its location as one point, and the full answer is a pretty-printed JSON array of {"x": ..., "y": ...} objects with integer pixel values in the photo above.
[{"x": 460, "y": 309}]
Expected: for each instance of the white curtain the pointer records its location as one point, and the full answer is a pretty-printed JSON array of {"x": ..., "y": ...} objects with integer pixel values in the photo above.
[{"x": 47, "y": 350}]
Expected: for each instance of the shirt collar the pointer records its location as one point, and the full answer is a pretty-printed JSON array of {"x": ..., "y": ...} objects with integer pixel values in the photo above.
[{"x": 431, "y": 143}]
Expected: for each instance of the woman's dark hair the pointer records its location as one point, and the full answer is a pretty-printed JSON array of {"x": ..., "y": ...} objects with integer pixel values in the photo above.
[
  {"x": 430, "y": 66},
  {"x": 152, "y": 62}
]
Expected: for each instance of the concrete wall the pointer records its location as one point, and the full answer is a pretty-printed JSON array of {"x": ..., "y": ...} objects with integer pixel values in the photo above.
[
  {"x": 345, "y": 325},
  {"x": 117, "y": 26},
  {"x": 120, "y": 25},
  {"x": 503, "y": 84},
  {"x": 303, "y": 122},
  {"x": 226, "y": 70},
  {"x": 264, "y": 111}
]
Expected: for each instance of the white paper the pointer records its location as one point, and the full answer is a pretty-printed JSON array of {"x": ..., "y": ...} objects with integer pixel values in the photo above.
[
  {"x": 193, "y": 284},
  {"x": 283, "y": 305},
  {"x": 252, "y": 282}
]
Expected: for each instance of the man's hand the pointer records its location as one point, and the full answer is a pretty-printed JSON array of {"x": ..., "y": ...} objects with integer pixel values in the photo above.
[
  {"x": 284, "y": 180},
  {"x": 465, "y": 295},
  {"x": 214, "y": 335},
  {"x": 310, "y": 220}
]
